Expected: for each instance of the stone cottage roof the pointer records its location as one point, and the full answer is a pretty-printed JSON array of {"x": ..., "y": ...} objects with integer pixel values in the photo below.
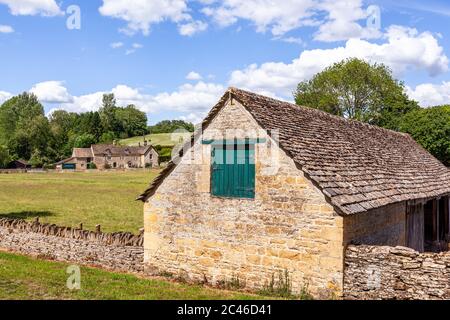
[
  {"x": 357, "y": 166},
  {"x": 82, "y": 153},
  {"x": 65, "y": 161},
  {"x": 118, "y": 151}
]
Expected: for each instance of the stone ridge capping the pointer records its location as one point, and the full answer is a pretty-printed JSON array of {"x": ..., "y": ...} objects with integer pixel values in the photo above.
[{"x": 113, "y": 239}]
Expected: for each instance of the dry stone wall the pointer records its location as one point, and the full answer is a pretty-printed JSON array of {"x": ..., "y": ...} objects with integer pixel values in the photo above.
[
  {"x": 113, "y": 251},
  {"x": 395, "y": 273}
]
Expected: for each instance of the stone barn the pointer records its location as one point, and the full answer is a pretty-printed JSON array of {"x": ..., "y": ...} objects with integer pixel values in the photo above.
[{"x": 270, "y": 187}]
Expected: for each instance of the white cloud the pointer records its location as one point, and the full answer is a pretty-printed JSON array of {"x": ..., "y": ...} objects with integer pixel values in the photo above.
[
  {"x": 192, "y": 99},
  {"x": 342, "y": 21},
  {"x": 141, "y": 14},
  {"x": 134, "y": 48},
  {"x": 192, "y": 27},
  {"x": 198, "y": 97},
  {"x": 403, "y": 49},
  {"x": 48, "y": 8},
  {"x": 194, "y": 118},
  {"x": 51, "y": 92},
  {"x": 293, "y": 40},
  {"x": 337, "y": 20},
  {"x": 116, "y": 45},
  {"x": 277, "y": 16},
  {"x": 6, "y": 29},
  {"x": 4, "y": 96},
  {"x": 193, "y": 76},
  {"x": 429, "y": 95}
]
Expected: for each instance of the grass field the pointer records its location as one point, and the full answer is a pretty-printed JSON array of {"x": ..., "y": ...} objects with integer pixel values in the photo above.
[
  {"x": 160, "y": 139},
  {"x": 30, "y": 279},
  {"x": 66, "y": 199}
]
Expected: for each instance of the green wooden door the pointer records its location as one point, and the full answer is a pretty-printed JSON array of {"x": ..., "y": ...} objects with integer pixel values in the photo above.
[{"x": 233, "y": 171}]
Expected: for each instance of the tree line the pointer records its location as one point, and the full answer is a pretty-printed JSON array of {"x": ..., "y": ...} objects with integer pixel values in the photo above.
[
  {"x": 356, "y": 89},
  {"x": 26, "y": 133}
]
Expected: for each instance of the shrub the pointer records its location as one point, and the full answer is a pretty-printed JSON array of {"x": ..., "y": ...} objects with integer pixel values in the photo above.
[
  {"x": 283, "y": 288},
  {"x": 91, "y": 166}
]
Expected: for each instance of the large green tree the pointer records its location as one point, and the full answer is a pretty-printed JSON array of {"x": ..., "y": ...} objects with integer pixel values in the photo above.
[
  {"x": 62, "y": 124},
  {"x": 431, "y": 128},
  {"x": 24, "y": 127},
  {"x": 132, "y": 121},
  {"x": 359, "y": 90},
  {"x": 107, "y": 113},
  {"x": 16, "y": 113}
]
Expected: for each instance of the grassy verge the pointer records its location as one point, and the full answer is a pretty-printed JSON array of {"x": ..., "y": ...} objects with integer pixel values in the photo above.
[
  {"x": 67, "y": 199},
  {"x": 27, "y": 278}
]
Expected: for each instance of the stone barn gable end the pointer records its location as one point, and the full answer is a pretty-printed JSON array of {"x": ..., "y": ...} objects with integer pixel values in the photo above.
[{"x": 338, "y": 181}]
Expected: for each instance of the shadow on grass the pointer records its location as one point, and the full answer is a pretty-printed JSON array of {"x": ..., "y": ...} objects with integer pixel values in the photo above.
[{"x": 26, "y": 214}]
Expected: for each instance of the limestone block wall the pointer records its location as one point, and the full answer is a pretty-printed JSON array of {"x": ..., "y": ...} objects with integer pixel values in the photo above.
[
  {"x": 118, "y": 251},
  {"x": 288, "y": 226},
  {"x": 384, "y": 226},
  {"x": 395, "y": 273}
]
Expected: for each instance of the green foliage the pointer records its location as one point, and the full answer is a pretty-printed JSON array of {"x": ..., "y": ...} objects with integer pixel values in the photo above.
[
  {"x": 91, "y": 166},
  {"x": 169, "y": 126},
  {"x": 5, "y": 159},
  {"x": 84, "y": 141},
  {"x": 281, "y": 288},
  {"x": 431, "y": 128},
  {"x": 107, "y": 112},
  {"x": 107, "y": 137},
  {"x": 235, "y": 283},
  {"x": 131, "y": 121},
  {"x": 357, "y": 90},
  {"x": 16, "y": 113},
  {"x": 164, "y": 152}
]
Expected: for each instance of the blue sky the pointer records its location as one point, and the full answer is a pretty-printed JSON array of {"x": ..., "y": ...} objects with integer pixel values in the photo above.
[{"x": 174, "y": 58}]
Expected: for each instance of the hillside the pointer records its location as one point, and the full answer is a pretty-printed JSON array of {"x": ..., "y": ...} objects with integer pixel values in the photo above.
[{"x": 160, "y": 139}]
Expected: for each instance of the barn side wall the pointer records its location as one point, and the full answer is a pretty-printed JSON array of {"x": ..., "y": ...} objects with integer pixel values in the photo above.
[
  {"x": 385, "y": 226},
  {"x": 288, "y": 227}
]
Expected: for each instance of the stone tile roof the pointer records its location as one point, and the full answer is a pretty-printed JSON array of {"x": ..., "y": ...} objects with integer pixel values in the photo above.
[
  {"x": 82, "y": 153},
  {"x": 114, "y": 150},
  {"x": 357, "y": 166},
  {"x": 65, "y": 161}
]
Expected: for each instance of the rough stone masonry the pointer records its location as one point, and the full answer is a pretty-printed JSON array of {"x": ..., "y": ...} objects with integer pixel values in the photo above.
[
  {"x": 112, "y": 251},
  {"x": 399, "y": 273}
]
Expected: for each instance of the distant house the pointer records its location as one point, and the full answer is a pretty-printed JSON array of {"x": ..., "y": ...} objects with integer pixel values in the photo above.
[
  {"x": 269, "y": 187},
  {"x": 112, "y": 156},
  {"x": 19, "y": 164}
]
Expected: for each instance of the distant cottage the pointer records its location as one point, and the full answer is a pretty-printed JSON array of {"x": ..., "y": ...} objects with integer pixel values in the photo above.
[
  {"x": 112, "y": 156},
  {"x": 271, "y": 186}
]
